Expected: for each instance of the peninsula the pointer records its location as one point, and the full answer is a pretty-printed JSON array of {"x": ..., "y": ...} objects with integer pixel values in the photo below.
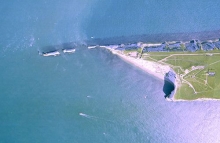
[{"x": 192, "y": 66}]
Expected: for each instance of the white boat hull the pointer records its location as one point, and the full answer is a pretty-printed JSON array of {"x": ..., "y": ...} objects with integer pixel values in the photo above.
[
  {"x": 69, "y": 50},
  {"x": 55, "y": 53},
  {"x": 92, "y": 47}
]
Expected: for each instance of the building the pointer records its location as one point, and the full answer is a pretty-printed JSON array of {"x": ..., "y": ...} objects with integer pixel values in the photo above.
[
  {"x": 160, "y": 48},
  {"x": 208, "y": 46},
  {"x": 217, "y": 44},
  {"x": 211, "y": 73},
  {"x": 192, "y": 46},
  {"x": 175, "y": 46}
]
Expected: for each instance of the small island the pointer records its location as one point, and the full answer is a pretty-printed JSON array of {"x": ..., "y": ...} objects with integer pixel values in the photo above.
[{"x": 192, "y": 66}]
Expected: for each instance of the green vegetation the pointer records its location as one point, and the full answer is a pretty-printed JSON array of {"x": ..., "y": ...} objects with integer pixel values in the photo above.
[
  {"x": 199, "y": 72},
  {"x": 128, "y": 51},
  {"x": 155, "y": 57},
  {"x": 133, "y": 50}
]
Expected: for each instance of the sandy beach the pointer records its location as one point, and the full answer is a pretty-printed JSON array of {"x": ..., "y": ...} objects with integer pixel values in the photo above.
[
  {"x": 153, "y": 68},
  {"x": 150, "y": 67}
]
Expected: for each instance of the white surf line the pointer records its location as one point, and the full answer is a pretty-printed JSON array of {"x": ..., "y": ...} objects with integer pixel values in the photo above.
[{"x": 94, "y": 117}]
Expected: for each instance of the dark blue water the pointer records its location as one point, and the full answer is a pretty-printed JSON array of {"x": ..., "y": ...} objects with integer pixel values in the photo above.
[{"x": 92, "y": 95}]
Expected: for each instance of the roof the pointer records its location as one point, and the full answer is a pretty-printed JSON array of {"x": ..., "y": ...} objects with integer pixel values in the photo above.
[
  {"x": 207, "y": 46},
  {"x": 192, "y": 47},
  {"x": 155, "y": 48},
  {"x": 217, "y": 44}
]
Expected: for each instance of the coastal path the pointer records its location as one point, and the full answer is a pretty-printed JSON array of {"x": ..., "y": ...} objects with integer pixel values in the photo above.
[{"x": 185, "y": 55}]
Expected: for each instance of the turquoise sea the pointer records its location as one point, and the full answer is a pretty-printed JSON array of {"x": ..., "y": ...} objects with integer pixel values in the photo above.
[{"x": 92, "y": 96}]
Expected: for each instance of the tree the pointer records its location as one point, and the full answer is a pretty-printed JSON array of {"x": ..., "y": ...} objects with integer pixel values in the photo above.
[{"x": 183, "y": 47}]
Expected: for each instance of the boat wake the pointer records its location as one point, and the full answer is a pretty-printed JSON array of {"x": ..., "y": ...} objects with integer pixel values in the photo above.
[
  {"x": 94, "y": 117},
  {"x": 84, "y": 115}
]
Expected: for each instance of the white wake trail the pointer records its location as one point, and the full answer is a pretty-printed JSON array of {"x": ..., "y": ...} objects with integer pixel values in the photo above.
[{"x": 94, "y": 117}]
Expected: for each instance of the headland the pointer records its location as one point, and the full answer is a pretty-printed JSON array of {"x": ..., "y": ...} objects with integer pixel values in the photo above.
[
  {"x": 191, "y": 66},
  {"x": 191, "y": 62}
]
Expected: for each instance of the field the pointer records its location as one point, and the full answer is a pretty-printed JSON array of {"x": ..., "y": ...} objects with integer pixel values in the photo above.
[{"x": 199, "y": 72}]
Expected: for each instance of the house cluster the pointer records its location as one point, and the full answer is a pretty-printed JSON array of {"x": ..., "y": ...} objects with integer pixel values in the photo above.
[
  {"x": 191, "y": 46},
  {"x": 158, "y": 48},
  {"x": 165, "y": 47}
]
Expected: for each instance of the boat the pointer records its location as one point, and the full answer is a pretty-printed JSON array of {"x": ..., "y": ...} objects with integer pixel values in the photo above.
[
  {"x": 69, "y": 50},
  {"x": 91, "y": 47},
  {"x": 52, "y": 53}
]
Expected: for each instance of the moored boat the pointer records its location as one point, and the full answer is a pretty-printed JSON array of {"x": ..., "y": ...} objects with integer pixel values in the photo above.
[
  {"x": 91, "y": 47},
  {"x": 69, "y": 50},
  {"x": 52, "y": 53}
]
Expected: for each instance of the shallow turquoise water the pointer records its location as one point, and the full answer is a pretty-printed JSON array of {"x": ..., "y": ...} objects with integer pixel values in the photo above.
[{"x": 92, "y": 95}]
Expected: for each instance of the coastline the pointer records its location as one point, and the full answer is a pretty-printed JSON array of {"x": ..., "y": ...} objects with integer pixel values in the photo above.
[
  {"x": 154, "y": 38},
  {"x": 152, "y": 68},
  {"x": 157, "y": 70},
  {"x": 199, "y": 99},
  {"x": 162, "y": 70}
]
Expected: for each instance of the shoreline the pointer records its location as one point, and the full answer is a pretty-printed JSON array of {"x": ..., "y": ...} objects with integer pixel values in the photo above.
[
  {"x": 154, "y": 38},
  {"x": 161, "y": 70},
  {"x": 157, "y": 70},
  {"x": 199, "y": 99},
  {"x": 150, "y": 67}
]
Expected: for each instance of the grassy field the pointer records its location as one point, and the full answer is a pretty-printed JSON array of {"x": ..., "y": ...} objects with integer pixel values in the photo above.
[{"x": 195, "y": 69}]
